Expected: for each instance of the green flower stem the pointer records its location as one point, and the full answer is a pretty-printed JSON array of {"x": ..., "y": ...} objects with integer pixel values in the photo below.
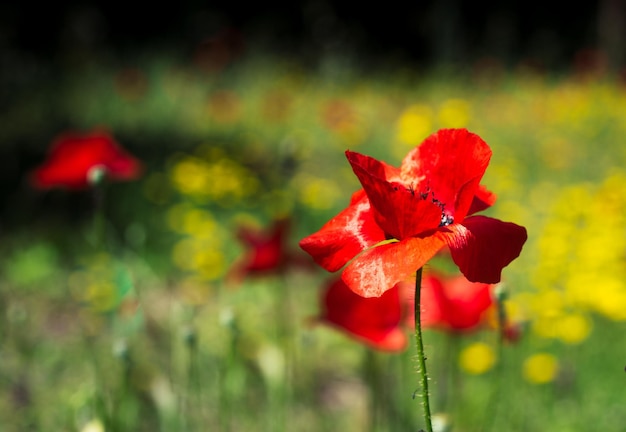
[
  {"x": 495, "y": 397},
  {"x": 421, "y": 359},
  {"x": 230, "y": 366},
  {"x": 371, "y": 369},
  {"x": 98, "y": 184},
  {"x": 191, "y": 400},
  {"x": 288, "y": 337}
]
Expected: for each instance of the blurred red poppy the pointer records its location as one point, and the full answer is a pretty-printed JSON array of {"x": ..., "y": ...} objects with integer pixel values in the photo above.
[
  {"x": 377, "y": 322},
  {"x": 266, "y": 251},
  {"x": 403, "y": 216},
  {"x": 72, "y": 157},
  {"x": 452, "y": 303}
]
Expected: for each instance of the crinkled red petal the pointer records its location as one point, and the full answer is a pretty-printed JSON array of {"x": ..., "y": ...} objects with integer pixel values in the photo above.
[
  {"x": 344, "y": 236},
  {"x": 398, "y": 209},
  {"x": 380, "y": 268},
  {"x": 450, "y": 163}
]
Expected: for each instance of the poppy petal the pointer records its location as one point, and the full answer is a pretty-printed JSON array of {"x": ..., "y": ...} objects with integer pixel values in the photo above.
[
  {"x": 466, "y": 303},
  {"x": 399, "y": 210},
  {"x": 451, "y": 163},
  {"x": 72, "y": 157},
  {"x": 376, "y": 321},
  {"x": 378, "y": 269},
  {"x": 344, "y": 236},
  {"x": 483, "y": 246},
  {"x": 374, "y": 167},
  {"x": 452, "y": 303},
  {"x": 265, "y": 250},
  {"x": 483, "y": 199}
]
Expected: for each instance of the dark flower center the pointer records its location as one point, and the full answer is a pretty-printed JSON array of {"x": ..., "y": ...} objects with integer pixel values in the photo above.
[{"x": 446, "y": 219}]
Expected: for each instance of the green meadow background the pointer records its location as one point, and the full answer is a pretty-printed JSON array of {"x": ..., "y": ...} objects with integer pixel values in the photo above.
[{"x": 151, "y": 331}]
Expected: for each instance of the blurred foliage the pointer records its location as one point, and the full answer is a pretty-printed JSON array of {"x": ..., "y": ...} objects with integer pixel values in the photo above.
[{"x": 147, "y": 332}]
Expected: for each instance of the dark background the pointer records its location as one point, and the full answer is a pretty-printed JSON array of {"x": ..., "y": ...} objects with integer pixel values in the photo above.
[
  {"x": 45, "y": 45},
  {"x": 424, "y": 33}
]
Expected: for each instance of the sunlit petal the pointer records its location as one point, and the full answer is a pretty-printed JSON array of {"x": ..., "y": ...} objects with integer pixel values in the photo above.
[
  {"x": 451, "y": 162},
  {"x": 378, "y": 269},
  {"x": 344, "y": 236}
]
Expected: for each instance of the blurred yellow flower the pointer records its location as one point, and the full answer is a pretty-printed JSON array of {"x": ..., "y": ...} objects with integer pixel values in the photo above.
[
  {"x": 544, "y": 326},
  {"x": 540, "y": 368},
  {"x": 101, "y": 295},
  {"x": 190, "y": 175},
  {"x": 210, "y": 264},
  {"x": 415, "y": 124},
  {"x": 183, "y": 252},
  {"x": 317, "y": 193},
  {"x": 477, "y": 358},
  {"x": 202, "y": 256},
  {"x": 199, "y": 223},
  {"x": 223, "y": 180},
  {"x": 454, "y": 113},
  {"x": 581, "y": 250},
  {"x": 547, "y": 303},
  {"x": 573, "y": 328},
  {"x": 610, "y": 298}
]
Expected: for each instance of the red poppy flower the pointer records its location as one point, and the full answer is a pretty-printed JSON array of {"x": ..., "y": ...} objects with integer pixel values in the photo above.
[
  {"x": 453, "y": 303},
  {"x": 377, "y": 321},
  {"x": 266, "y": 251},
  {"x": 403, "y": 216},
  {"x": 72, "y": 157}
]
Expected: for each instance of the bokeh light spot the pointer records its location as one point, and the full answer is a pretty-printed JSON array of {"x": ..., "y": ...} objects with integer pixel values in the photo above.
[
  {"x": 477, "y": 358},
  {"x": 540, "y": 368},
  {"x": 414, "y": 125}
]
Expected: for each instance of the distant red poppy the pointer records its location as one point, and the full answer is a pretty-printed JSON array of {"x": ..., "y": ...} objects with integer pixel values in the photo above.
[
  {"x": 72, "y": 157},
  {"x": 377, "y": 322},
  {"x": 403, "y": 216},
  {"x": 452, "y": 303},
  {"x": 265, "y": 251}
]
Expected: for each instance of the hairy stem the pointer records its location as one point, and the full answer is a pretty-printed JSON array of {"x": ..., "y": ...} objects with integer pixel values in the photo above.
[{"x": 421, "y": 359}]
